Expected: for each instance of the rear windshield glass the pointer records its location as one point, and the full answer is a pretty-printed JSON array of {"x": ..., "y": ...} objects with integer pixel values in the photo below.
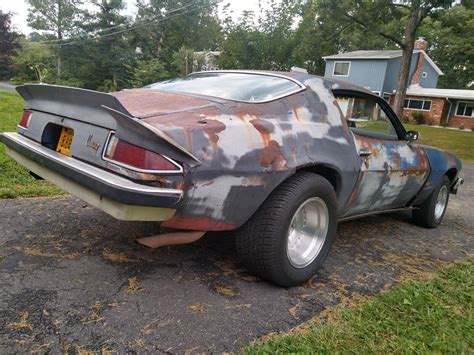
[{"x": 231, "y": 86}]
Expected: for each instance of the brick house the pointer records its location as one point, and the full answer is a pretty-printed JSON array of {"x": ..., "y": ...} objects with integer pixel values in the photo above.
[
  {"x": 454, "y": 108},
  {"x": 378, "y": 72}
]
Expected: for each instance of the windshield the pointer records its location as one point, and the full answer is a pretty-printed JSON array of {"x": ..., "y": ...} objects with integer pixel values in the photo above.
[{"x": 232, "y": 86}]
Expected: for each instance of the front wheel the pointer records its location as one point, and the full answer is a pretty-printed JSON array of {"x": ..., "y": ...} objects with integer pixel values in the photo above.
[
  {"x": 289, "y": 237},
  {"x": 430, "y": 213}
]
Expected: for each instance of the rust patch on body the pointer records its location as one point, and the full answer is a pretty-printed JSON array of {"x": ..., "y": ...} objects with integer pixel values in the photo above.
[
  {"x": 265, "y": 133},
  {"x": 197, "y": 223},
  {"x": 212, "y": 129},
  {"x": 272, "y": 155}
]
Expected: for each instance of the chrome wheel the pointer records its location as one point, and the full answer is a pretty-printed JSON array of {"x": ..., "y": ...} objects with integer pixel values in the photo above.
[
  {"x": 441, "y": 202},
  {"x": 307, "y": 232}
]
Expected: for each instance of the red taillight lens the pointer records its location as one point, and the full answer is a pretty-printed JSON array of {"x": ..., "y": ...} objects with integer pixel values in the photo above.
[
  {"x": 25, "y": 119},
  {"x": 137, "y": 157}
]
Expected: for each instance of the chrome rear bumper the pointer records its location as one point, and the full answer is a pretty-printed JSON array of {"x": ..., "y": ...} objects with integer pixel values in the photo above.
[{"x": 118, "y": 196}]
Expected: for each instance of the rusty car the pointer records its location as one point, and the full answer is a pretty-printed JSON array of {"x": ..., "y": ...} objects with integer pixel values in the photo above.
[{"x": 279, "y": 158}]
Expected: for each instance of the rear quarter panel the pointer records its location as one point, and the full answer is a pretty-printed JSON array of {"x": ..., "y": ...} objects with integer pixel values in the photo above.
[
  {"x": 247, "y": 150},
  {"x": 440, "y": 163}
]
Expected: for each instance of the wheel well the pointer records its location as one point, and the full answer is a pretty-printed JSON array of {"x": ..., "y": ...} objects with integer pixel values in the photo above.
[
  {"x": 451, "y": 174},
  {"x": 330, "y": 174}
]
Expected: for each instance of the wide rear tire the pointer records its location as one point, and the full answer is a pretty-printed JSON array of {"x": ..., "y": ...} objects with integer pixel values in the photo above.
[{"x": 289, "y": 237}]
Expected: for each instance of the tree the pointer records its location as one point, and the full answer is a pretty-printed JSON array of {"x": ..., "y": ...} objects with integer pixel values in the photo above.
[
  {"x": 183, "y": 60},
  {"x": 109, "y": 58},
  {"x": 148, "y": 72},
  {"x": 174, "y": 24},
  {"x": 451, "y": 35},
  {"x": 34, "y": 61},
  {"x": 56, "y": 16},
  {"x": 378, "y": 16},
  {"x": 263, "y": 41},
  {"x": 8, "y": 44}
]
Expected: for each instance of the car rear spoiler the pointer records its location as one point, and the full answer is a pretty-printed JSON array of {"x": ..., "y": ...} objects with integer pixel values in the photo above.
[{"x": 104, "y": 110}]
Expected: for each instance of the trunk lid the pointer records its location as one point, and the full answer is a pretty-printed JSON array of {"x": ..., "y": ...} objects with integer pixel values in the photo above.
[
  {"x": 146, "y": 103},
  {"x": 93, "y": 115}
]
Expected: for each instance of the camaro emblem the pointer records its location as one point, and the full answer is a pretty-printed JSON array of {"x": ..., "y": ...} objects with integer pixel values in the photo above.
[{"x": 92, "y": 144}]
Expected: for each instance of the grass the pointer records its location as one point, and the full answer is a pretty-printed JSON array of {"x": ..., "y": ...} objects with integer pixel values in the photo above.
[
  {"x": 434, "y": 316},
  {"x": 460, "y": 143},
  {"x": 15, "y": 181}
]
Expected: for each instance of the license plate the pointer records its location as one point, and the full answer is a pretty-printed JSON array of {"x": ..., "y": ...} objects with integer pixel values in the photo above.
[{"x": 65, "y": 140}]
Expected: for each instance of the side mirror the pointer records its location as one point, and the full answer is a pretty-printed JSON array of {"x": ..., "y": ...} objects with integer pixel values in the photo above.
[{"x": 412, "y": 136}]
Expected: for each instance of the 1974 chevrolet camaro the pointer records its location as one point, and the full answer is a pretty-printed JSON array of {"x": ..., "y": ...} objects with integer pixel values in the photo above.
[{"x": 278, "y": 157}]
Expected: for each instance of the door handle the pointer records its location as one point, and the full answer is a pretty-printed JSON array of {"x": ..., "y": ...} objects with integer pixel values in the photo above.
[{"x": 365, "y": 152}]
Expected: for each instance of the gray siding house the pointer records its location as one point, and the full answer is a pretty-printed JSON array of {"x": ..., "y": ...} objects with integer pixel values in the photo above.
[{"x": 378, "y": 70}]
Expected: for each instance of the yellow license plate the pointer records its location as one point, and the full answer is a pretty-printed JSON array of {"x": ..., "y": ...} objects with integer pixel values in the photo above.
[{"x": 65, "y": 140}]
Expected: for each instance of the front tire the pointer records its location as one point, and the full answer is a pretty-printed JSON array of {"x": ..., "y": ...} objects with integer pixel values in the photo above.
[
  {"x": 289, "y": 237},
  {"x": 430, "y": 213}
]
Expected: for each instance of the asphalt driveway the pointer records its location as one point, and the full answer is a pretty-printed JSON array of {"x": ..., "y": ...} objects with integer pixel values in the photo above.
[
  {"x": 72, "y": 278},
  {"x": 7, "y": 86}
]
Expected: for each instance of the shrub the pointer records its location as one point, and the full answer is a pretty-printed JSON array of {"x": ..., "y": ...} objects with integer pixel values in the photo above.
[
  {"x": 461, "y": 126},
  {"x": 418, "y": 117},
  {"x": 430, "y": 122},
  {"x": 405, "y": 119}
]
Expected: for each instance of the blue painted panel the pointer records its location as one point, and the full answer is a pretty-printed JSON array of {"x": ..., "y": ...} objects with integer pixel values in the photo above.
[{"x": 366, "y": 73}]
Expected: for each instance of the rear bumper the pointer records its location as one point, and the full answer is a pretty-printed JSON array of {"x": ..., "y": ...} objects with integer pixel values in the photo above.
[{"x": 120, "y": 197}]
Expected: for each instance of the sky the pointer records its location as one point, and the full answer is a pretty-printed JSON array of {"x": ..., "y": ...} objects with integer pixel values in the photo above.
[{"x": 20, "y": 10}]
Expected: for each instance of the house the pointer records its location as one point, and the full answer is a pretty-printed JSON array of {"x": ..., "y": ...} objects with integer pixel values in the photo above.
[
  {"x": 454, "y": 108},
  {"x": 378, "y": 72}
]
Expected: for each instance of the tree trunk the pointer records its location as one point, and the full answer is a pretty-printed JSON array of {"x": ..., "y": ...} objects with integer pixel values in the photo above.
[{"x": 407, "y": 53}]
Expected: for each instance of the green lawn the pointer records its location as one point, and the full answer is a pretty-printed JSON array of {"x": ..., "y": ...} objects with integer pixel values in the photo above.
[
  {"x": 14, "y": 180},
  {"x": 433, "y": 316},
  {"x": 460, "y": 143}
]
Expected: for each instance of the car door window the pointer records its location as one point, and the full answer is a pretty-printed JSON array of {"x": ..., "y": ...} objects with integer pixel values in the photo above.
[{"x": 365, "y": 117}]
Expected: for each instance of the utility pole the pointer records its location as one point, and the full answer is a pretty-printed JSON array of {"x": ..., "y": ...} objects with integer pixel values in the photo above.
[{"x": 186, "y": 69}]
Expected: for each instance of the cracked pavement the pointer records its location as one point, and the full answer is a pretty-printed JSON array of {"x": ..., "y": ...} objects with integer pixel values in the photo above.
[{"x": 73, "y": 278}]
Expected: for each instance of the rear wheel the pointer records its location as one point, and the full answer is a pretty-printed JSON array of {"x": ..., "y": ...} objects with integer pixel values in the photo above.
[
  {"x": 289, "y": 237},
  {"x": 430, "y": 213}
]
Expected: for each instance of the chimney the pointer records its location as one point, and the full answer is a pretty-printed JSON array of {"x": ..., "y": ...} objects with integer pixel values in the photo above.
[{"x": 422, "y": 44}]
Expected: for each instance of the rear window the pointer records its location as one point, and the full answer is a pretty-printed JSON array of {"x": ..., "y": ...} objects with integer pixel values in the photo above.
[{"x": 232, "y": 86}]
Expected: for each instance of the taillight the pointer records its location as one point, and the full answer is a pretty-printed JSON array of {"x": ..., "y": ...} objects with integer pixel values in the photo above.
[
  {"x": 137, "y": 157},
  {"x": 25, "y": 119}
]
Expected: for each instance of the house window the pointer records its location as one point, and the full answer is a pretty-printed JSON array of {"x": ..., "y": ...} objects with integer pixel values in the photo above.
[
  {"x": 423, "y": 105},
  {"x": 465, "y": 109},
  {"x": 341, "y": 68},
  {"x": 424, "y": 74}
]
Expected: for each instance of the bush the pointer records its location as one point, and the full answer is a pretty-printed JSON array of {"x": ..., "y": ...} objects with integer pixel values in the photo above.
[
  {"x": 461, "y": 126},
  {"x": 418, "y": 117},
  {"x": 405, "y": 119},
  {"x": 430, "y": 122}
]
